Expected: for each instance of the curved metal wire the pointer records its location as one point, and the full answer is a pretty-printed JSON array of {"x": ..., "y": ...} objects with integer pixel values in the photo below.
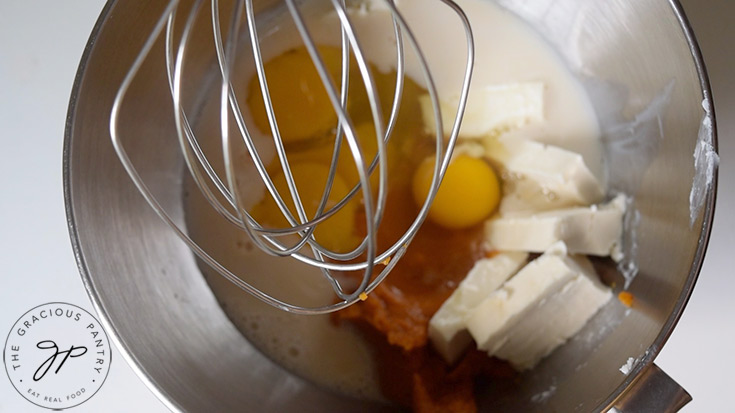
[{"x": 223, "y": 193}]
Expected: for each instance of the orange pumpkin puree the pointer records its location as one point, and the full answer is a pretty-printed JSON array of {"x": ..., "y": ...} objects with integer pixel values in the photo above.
[{"x": 395, "y": 317}]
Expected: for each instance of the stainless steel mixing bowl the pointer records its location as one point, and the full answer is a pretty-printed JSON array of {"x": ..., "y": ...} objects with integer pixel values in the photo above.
[{"x": 159, "y": 310}]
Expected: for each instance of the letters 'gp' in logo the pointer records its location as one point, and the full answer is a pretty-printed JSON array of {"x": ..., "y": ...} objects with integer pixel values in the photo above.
[{"x": 57, "y": 355}]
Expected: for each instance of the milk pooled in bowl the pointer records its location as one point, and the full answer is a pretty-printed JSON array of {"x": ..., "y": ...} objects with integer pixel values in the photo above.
[{"x": 508, "y": 52}]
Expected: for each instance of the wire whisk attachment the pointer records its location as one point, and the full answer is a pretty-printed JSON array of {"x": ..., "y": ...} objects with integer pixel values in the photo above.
[{"x": 220, "y": 186}]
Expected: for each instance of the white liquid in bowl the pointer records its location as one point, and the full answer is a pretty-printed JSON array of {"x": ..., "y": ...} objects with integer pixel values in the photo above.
[{"x": 508, "y": 51}]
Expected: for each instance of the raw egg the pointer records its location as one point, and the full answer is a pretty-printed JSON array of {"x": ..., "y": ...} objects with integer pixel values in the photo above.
[
  {"x": 467, "y": 196},
  {"x": 337, "y": 232},
  {"x": 300, "y": 103}
]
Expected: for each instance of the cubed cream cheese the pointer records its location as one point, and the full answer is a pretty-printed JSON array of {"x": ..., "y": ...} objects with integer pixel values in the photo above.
[
  {"x": 447, "y": 328},
  {"x": 541, "y": 177},
  {"x": 490, "y": 110},
  {"x": 540, "y": 308},
  {"x": 594, "y": 230}
]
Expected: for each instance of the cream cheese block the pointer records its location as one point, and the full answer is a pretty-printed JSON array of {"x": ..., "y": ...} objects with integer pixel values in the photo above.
[
  {"x": 447, "y": 328},
  {"x": 541, "y": 177},
  {"x": 540, "y": 308},
  {"x": 594, "y": 230},
  {"x": 490, "y": 110}
]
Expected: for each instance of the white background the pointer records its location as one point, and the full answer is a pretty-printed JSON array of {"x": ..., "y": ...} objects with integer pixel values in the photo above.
[{"x": 41, "y": 43}]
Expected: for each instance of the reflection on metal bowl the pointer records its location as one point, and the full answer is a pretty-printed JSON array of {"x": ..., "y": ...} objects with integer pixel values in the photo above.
[{"x": 151, "y": 296}]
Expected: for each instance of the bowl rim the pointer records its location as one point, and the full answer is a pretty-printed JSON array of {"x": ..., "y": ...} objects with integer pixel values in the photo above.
[
  {"x": 103, "y": 316},
  {"x": 708, "y": 217},
  {"x": 649, "y": 354}
]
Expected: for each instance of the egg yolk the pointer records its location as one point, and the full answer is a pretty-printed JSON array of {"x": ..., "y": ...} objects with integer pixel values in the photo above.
[
  {"x": 468, "y": 194},
  {"x": 337, "y": 232},
  {"x": 300, "y": 103},
  {"x": 346, "y": 167}
]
